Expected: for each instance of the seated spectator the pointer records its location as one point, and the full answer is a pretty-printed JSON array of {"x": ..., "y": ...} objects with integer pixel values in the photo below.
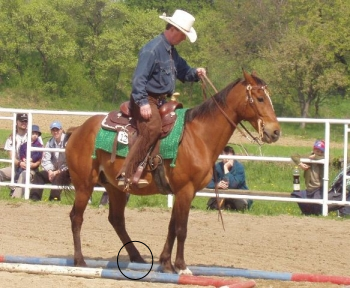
[
  {"x": 313, "y": 175},
  {"x": 35, "y": 160},
  {"x": 19, "y": 138},
  {"x": 53, "y": 163},
  {"x": 105, "y": 199},
  {"x": 230, "y": 175}
]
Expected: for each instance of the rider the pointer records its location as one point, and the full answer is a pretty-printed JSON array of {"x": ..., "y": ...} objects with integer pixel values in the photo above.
[{"x": 159, "y": 65}]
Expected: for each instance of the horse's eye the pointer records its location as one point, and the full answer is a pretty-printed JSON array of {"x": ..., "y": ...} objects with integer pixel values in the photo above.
[{"x": 261, "y": 99}]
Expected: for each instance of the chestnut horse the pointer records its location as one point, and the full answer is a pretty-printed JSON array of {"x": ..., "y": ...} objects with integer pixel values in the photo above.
[{"x": 207, "y": 129}]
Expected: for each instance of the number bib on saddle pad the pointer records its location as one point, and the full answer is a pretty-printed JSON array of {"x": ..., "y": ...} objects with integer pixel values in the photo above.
[{"x": 168, "y": 145}]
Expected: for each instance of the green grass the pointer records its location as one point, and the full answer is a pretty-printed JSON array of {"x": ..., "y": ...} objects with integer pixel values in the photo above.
[
  {"x": 259, "y": 207},
  {"x": 260, "y": 175}
]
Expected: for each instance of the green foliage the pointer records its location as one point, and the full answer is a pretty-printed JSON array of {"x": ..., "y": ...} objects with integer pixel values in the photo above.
[
  {"x": 168, "y": 6},
  {"x": 305, "y": 57},
  {"x": 71, "y": 50}
]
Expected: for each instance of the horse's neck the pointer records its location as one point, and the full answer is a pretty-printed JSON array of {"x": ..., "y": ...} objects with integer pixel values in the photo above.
[{"x": 214, "y": 131}]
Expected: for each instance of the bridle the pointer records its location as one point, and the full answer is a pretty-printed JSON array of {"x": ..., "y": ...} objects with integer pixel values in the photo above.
[
  {"x": 251, "y": 138},
  {"x": 250, "y": 100}
]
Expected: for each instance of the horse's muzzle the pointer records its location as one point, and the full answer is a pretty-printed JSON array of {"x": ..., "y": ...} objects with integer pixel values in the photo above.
[{"x": 270, "y": 137}]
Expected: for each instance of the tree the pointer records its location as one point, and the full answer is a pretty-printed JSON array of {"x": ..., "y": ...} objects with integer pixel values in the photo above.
[
  {"x": 303, "y": 63},
  {"x": 43, "y": 27},
  {"x": 10, "y": 41},
  {"x": 169, "y": 6}
]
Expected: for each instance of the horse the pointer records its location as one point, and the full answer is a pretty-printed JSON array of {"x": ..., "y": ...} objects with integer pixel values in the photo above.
[{"x": 207, "y": 129}]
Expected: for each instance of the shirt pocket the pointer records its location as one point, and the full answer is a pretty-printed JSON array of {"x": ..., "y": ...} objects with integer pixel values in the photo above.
[{"x": 165, "y": 74}]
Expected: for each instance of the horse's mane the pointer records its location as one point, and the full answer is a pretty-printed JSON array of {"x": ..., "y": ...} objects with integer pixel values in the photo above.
[{"x": 209, "y": 105}]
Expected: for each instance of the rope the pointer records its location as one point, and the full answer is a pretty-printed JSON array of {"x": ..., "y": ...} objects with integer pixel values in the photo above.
[{"x": 252, "y": 139}]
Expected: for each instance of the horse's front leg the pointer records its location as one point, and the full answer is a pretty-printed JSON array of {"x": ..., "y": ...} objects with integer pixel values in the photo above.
[
  {"x": 177, "y": 229},
  {"x": 165, "y": 256}
]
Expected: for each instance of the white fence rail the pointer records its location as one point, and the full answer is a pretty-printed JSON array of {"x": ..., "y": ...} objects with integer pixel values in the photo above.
[{"x": 327, "y": 124}]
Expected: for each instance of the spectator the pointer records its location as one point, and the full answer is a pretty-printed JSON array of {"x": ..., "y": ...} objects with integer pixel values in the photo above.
[
  {"x": 20, "y": 138},
  {"x": 53, "y": 163},
  {"x": 35, "y": 160},
  {"x": 230, "y": 175},
  {"x": 105, "y": 199},
  {"x": 159, "y": 65},
  {"x": 313, "y": 176}
]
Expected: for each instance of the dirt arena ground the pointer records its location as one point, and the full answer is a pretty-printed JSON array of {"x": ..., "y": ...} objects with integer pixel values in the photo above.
[{"x": 278, "y": 244}]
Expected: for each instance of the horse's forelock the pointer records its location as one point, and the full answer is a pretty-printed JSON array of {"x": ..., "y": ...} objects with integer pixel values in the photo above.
[
  {"x": 209, "y": 105},
  {"x": 258, "y": 81}
]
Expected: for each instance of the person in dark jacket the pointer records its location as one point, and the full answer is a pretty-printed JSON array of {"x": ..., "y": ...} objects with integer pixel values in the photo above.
[{"x": 230, "y": 174}]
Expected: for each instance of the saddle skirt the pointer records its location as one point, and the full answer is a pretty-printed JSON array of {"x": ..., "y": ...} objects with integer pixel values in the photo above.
[
  {"x": 106, "y": 138},
  {"x": 122, "y": 121}
]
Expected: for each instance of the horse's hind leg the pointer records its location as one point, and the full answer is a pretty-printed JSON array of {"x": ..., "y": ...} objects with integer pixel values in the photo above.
[
  {"x": 117, "y": 203},
  {"x": 82, "y": 197}
]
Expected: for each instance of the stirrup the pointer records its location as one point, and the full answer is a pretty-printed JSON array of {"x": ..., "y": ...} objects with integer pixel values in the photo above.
[{"x": 141, "y": 183}]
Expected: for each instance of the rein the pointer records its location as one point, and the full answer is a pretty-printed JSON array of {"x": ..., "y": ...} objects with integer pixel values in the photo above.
[{"x": 249, "y": 88}]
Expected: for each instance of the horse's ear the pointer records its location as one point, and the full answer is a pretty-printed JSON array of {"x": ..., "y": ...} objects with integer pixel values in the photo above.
[
  {"x": 254, "y": 74},
  {"x": 248, "y": 78}
]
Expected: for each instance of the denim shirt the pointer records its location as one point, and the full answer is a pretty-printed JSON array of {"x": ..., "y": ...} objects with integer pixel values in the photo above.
[{"x": 158, "y": 67}]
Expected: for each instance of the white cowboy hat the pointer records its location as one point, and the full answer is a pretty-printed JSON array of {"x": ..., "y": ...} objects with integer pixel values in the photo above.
[{"x": 183, "y": 21}]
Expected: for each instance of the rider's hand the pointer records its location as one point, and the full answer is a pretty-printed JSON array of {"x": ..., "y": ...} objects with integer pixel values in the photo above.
[
  {"x": 146, "y": 111},
  {"x": 201, "y": 72}
]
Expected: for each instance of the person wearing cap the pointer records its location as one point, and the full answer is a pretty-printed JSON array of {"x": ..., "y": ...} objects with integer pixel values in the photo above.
[
  {"x": 159, "y": 65},
  {"x": 35, "y": 159},
  {"x": 19, "y": 138},
  {"x": 53, "y": 164},
  {"x": 313, "y": 177}
]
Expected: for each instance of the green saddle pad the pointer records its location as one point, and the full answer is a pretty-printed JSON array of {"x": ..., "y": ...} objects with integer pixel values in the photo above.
[{"x": 168, "y": 145}]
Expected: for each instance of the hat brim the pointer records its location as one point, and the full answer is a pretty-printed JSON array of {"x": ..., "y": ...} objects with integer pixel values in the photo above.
[{"x": 191, "y": 35}]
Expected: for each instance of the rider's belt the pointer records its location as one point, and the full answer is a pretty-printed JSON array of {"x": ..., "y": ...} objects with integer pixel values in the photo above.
[{"x": 158, "y": 96}]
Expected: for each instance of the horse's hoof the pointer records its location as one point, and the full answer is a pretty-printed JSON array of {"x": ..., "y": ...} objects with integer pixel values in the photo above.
[
  {"x": 137, "y": 259},
  {"x": 166, "y": 269},
  {"x": 183, "y": 272},
  {"x": 80, "y": 264}
]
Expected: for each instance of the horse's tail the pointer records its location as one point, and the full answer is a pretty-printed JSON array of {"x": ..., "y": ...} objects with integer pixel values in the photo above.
[
  {"x": 68, "y": 134},
  {"x": 64, "y": 180}
]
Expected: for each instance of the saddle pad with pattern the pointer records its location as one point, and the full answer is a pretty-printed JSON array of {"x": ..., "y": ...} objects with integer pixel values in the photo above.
[{"x": 168, "y": 145}]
